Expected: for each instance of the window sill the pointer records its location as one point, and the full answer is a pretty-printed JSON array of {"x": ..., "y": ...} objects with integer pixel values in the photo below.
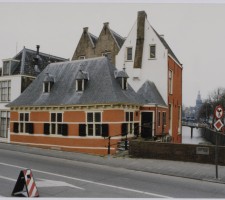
[
  {"x": 152, "y": 59},
  {"x": 128, "y": 60}
]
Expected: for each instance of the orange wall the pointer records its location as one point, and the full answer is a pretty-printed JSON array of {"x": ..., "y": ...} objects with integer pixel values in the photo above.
[{"x": 176, "y": 97}]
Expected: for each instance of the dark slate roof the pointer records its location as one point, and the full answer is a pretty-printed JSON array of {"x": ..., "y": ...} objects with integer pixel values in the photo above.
[
  {"x": 166, "y": 46},
  {"x": 48, "y": 78},
  {"x": 150, "y": 94},
  {"x": 26, "y": 64},
  {"x": 119, "y": 39},
  {"x": 82, "y": 75},
  {"x": 101, "y": 88}
]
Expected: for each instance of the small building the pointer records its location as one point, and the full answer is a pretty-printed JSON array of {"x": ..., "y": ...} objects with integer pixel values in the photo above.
[
  {"x": 77, "y": 106},
  {"x": 16, "y": 75}
]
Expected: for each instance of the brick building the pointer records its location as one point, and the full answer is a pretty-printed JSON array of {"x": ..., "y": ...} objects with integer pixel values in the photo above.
[{"x": 76, "y": 106}]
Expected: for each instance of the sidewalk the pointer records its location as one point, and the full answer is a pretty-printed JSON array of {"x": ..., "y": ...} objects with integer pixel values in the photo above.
[{"x": 205, "y": 172}]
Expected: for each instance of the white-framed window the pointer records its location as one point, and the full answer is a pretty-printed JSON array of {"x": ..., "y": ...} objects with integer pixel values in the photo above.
[
  {"x": 171, "y": 117},
  {"x": 179, "y": 119},
  {"x": 24, "y": 119},
  {"x": 4, "y": 123},
  {"x": 170, "y": 82},
  {"x": 56, "y": 123},
  {"x": 129, "y": 55},
  {"x": 8, "y": 66},
  {"x": 47, "y": 86},
  {"x": 130, "y": 122},
  {"x": 81, "y": 57},
  {"x": 80, "y": 85},
  {"x": 5, "y": 90},
  {"x": 124, "y": 83},
  {"x": 159, "y": 118},
  {"x": 152, "y": 51},
  {"x": 93, "y": 123}
]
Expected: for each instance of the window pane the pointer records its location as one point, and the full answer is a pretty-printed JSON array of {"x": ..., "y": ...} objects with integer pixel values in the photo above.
[
  {"x": 52, "y": 128},
  {"x": 21, "y": 117},
  {"x": 21, "y": 127},
  {"x": 131, "y": 116},
  {"x": 46, "y": 87},
  {"x": 53, "y": 117},
  {"x": 97, "y": 117},
  {"x": 127, "y": 116},
  {"x": 90, "y": 117},
  {"x": 26, "y": 117},
  {"x": 90, "y": 129},
  {"x": 79, "y": 85},
  {"x": 152, "y": 51},
  {"x": 59, "y": 117},
  {"x": 129, "y": 53},
  {"x": 98, "y": 130}
]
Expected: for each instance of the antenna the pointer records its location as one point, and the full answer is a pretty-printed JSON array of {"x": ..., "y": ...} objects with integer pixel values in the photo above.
[{"x": 16, "y": 46}]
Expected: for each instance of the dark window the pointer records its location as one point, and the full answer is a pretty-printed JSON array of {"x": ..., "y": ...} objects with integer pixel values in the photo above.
[
  {"x": 105, "y": 130},
  {"x": 79, "y": 85},
  {"x": 90, "y": 129},
  {"x": 64, "y": 129},
  {"x": 82, "y": 129},
  {"x": 97, "y": 117},
  {"x": 159, "y": 118},
  {"x": 98, "y": 130},
  {"x": 53, "y": 117},
  {"x": 129, "y": 53},
  {"x": 164, "y": 118},
  {"x": 90, "y": 117},
  {"x": 16, "y": 127},
  {"x": 124, "y": 129},
  {"x": 124, "y": 83},
  {"x": 152, "y": 51},
  {"x": 46, "y": 87},
  {"x": 46, "y": 129},
  {"x": 59, "y": 117}
]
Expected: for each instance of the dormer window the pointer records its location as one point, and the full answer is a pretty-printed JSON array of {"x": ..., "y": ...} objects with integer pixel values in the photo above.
[
  {"x": 122, "y": 77},
  {"x": 81, "y": 80},
  {"x": 48, "y": 83},
  {"x": 124, "y": 83},
  {"x": 9, "y": 65}
]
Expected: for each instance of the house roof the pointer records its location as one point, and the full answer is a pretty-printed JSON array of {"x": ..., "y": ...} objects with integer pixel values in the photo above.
[
  {"x": 26, "y": 64},
  {"x": 166, "y": 46},
  {"x": 150, "y": 94},
  {"x": 119, "y": 39},
  {"x": 101, "y": 88},
  {"x": 93, "y": 38}
]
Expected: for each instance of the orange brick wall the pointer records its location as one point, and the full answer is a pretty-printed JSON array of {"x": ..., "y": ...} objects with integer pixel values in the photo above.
[
  {"x": 175, "y": 99},
  {"x": 39, "y": 116},
  {"x": 14, "y": 116}
]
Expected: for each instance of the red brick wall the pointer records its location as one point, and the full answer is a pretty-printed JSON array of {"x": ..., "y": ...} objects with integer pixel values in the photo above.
[{"x": 175, "y": 99}]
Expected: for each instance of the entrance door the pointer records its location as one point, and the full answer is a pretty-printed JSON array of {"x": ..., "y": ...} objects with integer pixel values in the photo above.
[{"x": 146, "y": 124}]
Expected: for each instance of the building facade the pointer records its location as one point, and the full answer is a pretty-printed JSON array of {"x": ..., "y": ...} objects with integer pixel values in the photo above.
[
  {"x": 17, "y": 73},
  {"x": 146, "y": 56},
  {"x": 77, "y": 106}
]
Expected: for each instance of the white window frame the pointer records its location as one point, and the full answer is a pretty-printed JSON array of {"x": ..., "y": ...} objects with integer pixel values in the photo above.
[
  {"x": 152, "y": 45},
  {"x": 77, "y": 88},
  {"x": 48, "y": 87},
  {"x": 4, "y": 117},
  {"x": 159, "y": 119},
  {"x": 131, "y": 54},
  {"x": 171, "y": 118},
  {"x": 170, "y": 81},
  {"x": 93, "y": 123},
  {"x": 55, "y": 123},
  {"x": 164, "y": 118},
  {"x": 23, "y": 121},
  {"x": 129, "y": 121},
  {"x": 6, "y": 89}
]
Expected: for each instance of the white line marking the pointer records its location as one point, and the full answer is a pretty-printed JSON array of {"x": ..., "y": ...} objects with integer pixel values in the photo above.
[
  {"x": 6, "y": 178},
  {"x": 87, "y": 181}
]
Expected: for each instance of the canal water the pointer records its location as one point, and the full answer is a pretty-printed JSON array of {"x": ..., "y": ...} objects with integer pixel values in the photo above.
[{"x": 196, "y": 139}]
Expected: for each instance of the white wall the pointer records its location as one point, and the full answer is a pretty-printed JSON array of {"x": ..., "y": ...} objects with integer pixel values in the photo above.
[
  {"x": 15, "y": 89},
  {"x": 155, "y": 70}
]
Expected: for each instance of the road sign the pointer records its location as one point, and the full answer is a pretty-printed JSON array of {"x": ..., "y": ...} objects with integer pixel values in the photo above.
[
  {"x": 218, "y": 125},
  {"x": 218, "y": 112}
]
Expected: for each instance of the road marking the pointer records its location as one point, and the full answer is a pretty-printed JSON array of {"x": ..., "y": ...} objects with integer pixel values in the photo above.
[
  {"x": 6, "y": 178},
  {"x": 52, "y": 183},
  {"x": 88, "y": 181}
]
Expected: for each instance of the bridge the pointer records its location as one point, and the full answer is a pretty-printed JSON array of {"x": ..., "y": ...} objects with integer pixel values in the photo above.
[{"x": 193, "y": 125}]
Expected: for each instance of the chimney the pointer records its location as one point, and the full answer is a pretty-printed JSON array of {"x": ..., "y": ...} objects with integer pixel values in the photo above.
[
  {"x": 140, "y": 38},
  {"x": 38, "y": 47},
  {"x": 106, "y": 24},
  {"x": 85, "y": 29}
]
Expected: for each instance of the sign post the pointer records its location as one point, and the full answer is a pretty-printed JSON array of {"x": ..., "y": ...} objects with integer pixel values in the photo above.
[{"x": 218, "y": 113}]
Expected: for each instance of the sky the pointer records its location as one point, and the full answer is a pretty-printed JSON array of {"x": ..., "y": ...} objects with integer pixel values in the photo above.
[{"x": 194, "y": 31}]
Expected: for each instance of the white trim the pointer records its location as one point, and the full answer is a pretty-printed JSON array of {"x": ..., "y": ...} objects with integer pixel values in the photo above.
[
  {"x": 60, "y": 146},
  {"x": 154, "y": 106},
  {"x": 175, "y": 61},
  {"x": 149, "y": 57},
  {"x": 170, "y": 92}
]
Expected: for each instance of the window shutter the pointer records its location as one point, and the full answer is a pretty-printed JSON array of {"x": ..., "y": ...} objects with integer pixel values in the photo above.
[
  {"x": 64, "y": 129},
  {"x": 136, "y": 129},
  {"x": 82, "y": 129},
  {"x": 46, "y": 129},
  {"x": 16, "y": 127},
  {"x": 105, "y": 130},
  {"x": 124, "y": 129},
  {"x": 59, "y": 131},
  {"x": 30, "y": 128}
]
